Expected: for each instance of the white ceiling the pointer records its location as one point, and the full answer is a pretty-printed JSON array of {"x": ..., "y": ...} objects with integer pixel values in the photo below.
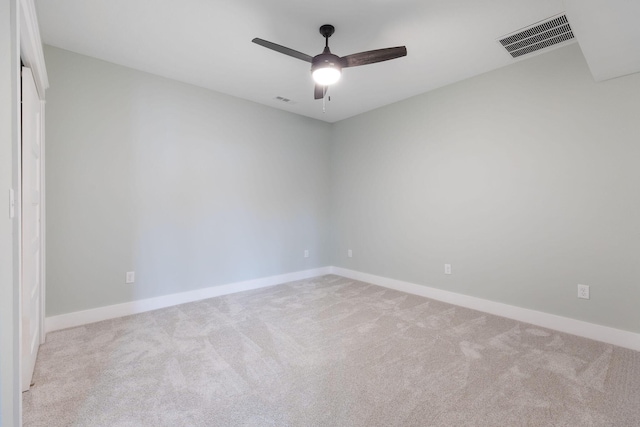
[
  {"x": 609, "y": 36},
  {"x": 208, "y": 43}
]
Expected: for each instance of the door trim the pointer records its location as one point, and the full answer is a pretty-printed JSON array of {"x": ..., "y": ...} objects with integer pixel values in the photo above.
[
  {"x": 29, "y": 46},
  {"x": 31, "y": 51},
  {"x": 43, "y": 226},
  {"x": 32, "y": 56}
]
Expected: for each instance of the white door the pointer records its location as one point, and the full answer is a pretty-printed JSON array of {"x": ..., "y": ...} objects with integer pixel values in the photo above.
[{"x": 31, "y": 227}]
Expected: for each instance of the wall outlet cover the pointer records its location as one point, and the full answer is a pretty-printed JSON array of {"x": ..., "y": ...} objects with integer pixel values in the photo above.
[
  {"x": 130, "y": 277},
  {"x": 583, "y": 291}
]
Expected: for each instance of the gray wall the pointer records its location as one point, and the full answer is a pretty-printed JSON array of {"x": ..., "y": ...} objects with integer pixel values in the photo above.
[
  {"x": 188, "y": 187},
  {"x": 9, "y": 375},
  {"x": 525, "y": 179}
]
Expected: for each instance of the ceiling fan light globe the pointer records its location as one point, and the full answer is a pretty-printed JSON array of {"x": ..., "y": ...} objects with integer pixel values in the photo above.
[{"x": 326, "y": 76}]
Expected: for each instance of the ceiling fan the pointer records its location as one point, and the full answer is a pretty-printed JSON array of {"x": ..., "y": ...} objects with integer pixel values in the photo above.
[{"x": 326, "y": 68}]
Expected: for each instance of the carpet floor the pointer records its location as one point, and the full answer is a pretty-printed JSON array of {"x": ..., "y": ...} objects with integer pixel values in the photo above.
[{"x": 328, "y": 351}]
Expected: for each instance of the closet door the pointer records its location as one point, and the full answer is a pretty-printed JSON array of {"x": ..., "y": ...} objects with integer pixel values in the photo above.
[{"x": 31, "y": 227}]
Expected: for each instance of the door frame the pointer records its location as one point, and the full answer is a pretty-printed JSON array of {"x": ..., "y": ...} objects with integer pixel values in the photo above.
[
  {"x": 32, "y": 56},
  {"x": 31, "y": 51}
]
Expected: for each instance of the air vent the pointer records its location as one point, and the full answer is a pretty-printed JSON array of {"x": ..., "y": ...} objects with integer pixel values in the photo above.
[
  {"x": 551, "y": 32},
  {"x": 284, "y": 100}
]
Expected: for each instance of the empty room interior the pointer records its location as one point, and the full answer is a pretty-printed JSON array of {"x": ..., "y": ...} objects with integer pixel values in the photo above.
[{"x": 303, "y": 213}]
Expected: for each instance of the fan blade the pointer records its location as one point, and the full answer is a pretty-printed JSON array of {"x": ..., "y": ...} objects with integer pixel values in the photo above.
[
  {"x": 318, "y": 92},
  {"x": 283, "y": 49},
  {"x": 373, "y": 56}
]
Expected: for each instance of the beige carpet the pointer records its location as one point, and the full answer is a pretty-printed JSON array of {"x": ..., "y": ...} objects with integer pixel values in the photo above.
[{"x": 328, "y": 352}]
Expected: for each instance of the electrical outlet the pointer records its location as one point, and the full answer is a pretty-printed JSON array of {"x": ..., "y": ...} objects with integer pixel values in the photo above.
[
  {"x": 350, "y": 253},
  {"x": 306, "y": 253},
  {"x": 131, "y": 277},
  {"x": 583, "y": 291},
  {"x": 447, "y": 269}
]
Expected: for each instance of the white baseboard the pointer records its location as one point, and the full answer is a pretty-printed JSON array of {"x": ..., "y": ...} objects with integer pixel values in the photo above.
[
  {"x": 93, "y": 315},
  {"x": 580, "y": 328}
]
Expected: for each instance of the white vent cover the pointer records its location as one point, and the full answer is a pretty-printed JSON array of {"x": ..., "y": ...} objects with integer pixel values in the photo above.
[{"x": 551, "y": 32}]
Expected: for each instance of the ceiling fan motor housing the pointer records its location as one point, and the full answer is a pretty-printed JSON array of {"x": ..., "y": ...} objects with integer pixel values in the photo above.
[
  {"x": 327, "y": 65},
  {"x": 325, "y": 60},
  {"x": 326, "y": 68}
]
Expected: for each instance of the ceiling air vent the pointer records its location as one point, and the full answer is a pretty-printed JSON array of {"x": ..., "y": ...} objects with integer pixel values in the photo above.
[
  {"x": 551, "y": 32},
  {"x": 285, "y": 100}
]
